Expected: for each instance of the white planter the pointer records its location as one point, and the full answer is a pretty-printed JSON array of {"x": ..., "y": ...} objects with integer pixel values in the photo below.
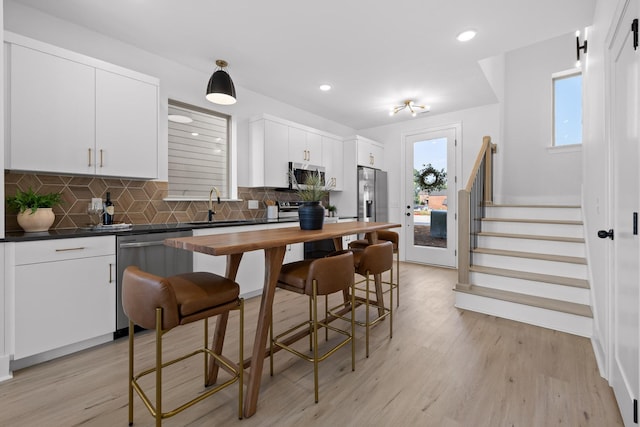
[{"x": 40, "y": 220}]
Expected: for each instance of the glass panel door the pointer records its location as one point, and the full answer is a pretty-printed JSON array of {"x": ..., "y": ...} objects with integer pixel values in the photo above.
[{"x": 431, "y": 197}]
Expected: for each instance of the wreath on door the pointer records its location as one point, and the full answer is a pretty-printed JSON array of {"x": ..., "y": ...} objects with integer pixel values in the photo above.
[{"x": 431, "y": 179}]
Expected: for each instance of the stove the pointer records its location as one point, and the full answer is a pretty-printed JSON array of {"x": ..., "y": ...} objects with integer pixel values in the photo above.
[{"x": 288, "y": 209}]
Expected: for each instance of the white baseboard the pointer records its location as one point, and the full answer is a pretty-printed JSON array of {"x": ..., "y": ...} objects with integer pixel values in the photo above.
[{"x": 5, "y": 370}]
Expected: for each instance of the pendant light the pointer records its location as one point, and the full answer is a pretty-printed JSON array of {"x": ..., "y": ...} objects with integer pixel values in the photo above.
[{"x": 220, "y": 89}]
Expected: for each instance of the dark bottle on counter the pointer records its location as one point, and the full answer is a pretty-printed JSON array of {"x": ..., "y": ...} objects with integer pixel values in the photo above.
[{"x": 109, "y": 210}]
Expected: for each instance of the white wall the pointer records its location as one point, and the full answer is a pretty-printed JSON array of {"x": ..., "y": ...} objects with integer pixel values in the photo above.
[
  {"x": 176, "y": 81},
  {"x": 476, "y": 123},
  {"x": 532, "y": 172}
]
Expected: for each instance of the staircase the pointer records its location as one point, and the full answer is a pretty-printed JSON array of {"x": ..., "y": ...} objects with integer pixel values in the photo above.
[{"x": 530, "y": 265}]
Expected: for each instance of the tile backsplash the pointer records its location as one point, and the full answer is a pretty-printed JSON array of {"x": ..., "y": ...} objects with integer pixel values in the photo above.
[{"x": 136, "y": 202}]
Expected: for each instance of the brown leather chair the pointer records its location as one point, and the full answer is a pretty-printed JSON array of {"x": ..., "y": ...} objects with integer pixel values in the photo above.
[
  {"x": 373, "y": 260},
  {"x": 314, "y": 278},
  {"x": 162, "y": 304},
  {"x": 391, "y": 236}
]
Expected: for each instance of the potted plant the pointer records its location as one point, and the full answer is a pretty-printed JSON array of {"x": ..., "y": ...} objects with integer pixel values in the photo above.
[
  {"x": 332, "y": 210},
  {"x": 311, "y": 193},
  {"x": 35, "y": 211}
]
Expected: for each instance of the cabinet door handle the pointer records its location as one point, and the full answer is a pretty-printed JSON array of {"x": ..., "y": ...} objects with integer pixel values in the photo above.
[
  {"x": 79, "y": 248},
  {"x": 110, "y": 272},
  {"x": 101, "y": 157},
  {"x": 89, "y": 157}
]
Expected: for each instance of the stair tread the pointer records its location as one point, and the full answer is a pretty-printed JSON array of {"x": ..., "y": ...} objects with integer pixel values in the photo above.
[
  {"x": 531, "y": 255},
  {"x": 534, "y": 301},
  {"x": 534, "y": 221},
  {"x": 526, "y": 275},
  {"x": 531, "y": 237}
]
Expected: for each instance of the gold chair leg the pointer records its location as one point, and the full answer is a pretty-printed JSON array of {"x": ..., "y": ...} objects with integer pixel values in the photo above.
[
  {"x": 206, "y": 346},
  {"x": 390, "y": 312},
  {"x": 315, "y": 339},
  {"x": 353, "y": 328},
  {"x": 241, "y": 360},
  {"x": 366, "y": 311},
  {"x": 310, "y": 327},
  {"x": 158, "y": 367},
  {"x": 398, "y": 278},
  {"x": 131, "y": 326}
]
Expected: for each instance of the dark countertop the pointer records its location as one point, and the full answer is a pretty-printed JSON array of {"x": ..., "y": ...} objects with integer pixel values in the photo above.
[{"x": 20, "y": 236}]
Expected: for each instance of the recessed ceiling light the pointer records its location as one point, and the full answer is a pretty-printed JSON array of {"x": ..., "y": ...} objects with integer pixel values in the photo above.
[
  {"x": 178, "y": 118},
  {"x": 195, "y": 133},
  {"x": 325, "y": 87},
  {"x": 465, "y": 36}
]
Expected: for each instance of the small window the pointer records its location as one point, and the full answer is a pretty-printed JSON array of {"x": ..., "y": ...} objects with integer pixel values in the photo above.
[
  {"x": 198, "y": 151},
  {"x": 567, "y": 108}
]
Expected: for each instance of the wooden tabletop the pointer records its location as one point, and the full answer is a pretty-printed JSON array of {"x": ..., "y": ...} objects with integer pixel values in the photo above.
[{"x": 244, "y": 241}]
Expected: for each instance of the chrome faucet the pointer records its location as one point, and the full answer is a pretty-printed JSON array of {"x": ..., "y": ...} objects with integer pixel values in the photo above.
[{"x": 211, "y": 211}]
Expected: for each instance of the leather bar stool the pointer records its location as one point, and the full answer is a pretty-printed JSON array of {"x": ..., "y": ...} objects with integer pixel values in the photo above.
[
  {"x": 323, "y": 276},
  {"x": 391, "y": 236},
  {"x": 162, "y": 304},
  {"x": 372, "y": 261}
]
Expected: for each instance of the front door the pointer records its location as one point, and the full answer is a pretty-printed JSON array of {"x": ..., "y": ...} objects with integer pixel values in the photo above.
[
  {"x": 625, "y": 273},
  {"x": 430, "y": 196}
]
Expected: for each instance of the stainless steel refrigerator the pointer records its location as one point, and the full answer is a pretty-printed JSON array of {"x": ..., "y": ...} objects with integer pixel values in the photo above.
[{"x": 372, "y": 195}]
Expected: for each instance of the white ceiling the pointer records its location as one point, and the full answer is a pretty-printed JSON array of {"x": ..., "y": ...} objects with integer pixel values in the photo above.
[{"x": 374, "y": 53}]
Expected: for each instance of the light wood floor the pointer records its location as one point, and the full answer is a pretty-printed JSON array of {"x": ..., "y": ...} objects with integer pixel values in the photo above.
[{"x": 443, "y": 367}]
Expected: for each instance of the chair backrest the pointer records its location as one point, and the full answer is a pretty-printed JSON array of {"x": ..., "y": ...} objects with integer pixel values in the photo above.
[
  {"x": 388, "y": 235},
  {"x": 332, "y": 273},
  {"x": 376, "y": 258},
  {"x": 142, "y": 293}
]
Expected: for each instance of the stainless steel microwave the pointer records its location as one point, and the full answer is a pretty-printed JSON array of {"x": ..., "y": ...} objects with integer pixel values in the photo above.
[{"x": 300, "y": 172}]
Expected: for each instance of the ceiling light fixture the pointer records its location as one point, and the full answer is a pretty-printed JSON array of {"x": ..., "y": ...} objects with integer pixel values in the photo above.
[
  {"x": 220, "y": 89},
  {"x": 465, "y": 36},
  {"x": 325, "y": 87},
  {"x": 178, "y": 118},
  {"x": 411, "y": 106}
]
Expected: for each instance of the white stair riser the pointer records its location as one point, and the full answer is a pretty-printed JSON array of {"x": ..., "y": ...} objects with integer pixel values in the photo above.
[
  {"x": 562, "y": 230},
  {"x": 529, "y": 287},
  {"x": 578, "y": 271},
  {"x": 533, "y": 245},
  {"x": 572, "y": 214},
  {"x": 577, "y": 325}
]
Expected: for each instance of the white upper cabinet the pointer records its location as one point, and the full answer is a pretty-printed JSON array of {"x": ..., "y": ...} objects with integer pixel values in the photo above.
[
  {"x": 305, "y": 146},
  {"x": 52, "y": 113},
  {"x": 268, "y": 154},
  {"x": 126, "y": 126},
  {"x": 68, "y": 113},
  {"x": 275, "y": 142},
  {"x": 370, "y": 153},
  {"x": 333, "y": 161}
]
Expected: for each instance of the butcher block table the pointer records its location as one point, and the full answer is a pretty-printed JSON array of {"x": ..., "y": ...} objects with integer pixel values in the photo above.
[{"x": 274, "y": 243}]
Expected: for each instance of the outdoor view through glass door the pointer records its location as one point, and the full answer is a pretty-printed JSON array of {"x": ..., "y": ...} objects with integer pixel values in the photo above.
[{"x": 431, "y": 197}]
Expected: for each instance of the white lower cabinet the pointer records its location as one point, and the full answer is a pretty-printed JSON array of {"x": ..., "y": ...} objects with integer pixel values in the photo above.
[
  {"x": 294, "y": 252},
  {"x": 250, "y": 275},
  {"x": 64, "y": 293},
  {"x": 349, "y": 238}
]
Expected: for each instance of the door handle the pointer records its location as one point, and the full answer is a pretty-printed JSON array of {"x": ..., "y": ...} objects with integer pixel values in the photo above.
[{"x": 603, "y": 234}]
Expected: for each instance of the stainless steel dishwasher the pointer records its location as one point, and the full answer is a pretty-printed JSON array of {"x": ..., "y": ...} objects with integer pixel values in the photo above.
[{"x": 148, "y": 252}]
